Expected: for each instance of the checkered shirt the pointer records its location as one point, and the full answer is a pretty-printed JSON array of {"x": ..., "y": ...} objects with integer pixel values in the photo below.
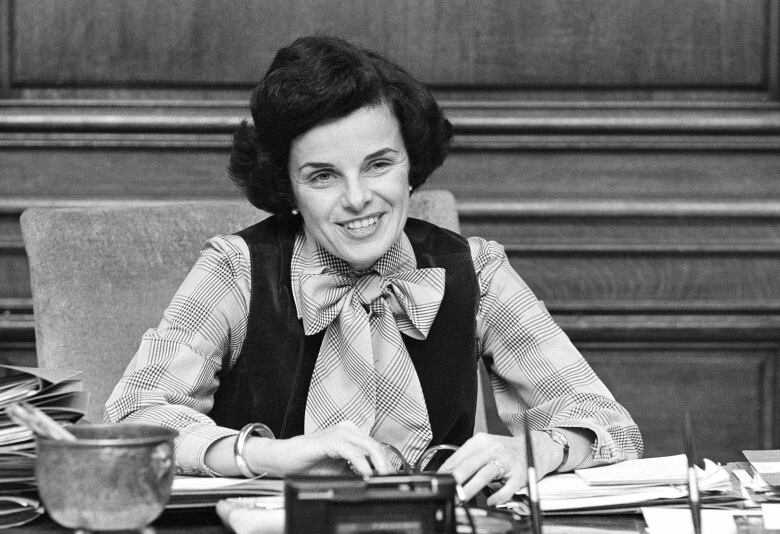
[{"x": 534, "y": 367}]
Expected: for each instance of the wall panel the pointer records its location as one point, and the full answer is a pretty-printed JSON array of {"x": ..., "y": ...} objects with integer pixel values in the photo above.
[
  {"x": 692, "y": 377},
  {"x": 524, "y": 175},
  {"x": 616, "y": 43}
]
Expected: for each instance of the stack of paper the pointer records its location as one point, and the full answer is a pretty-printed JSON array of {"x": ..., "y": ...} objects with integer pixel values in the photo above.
[
  {"x": 204, "y": 492},
  {"x": 766, "y": 467},
  {"x": 627, "y": 486},
  {"x": 57, "y": 393}
]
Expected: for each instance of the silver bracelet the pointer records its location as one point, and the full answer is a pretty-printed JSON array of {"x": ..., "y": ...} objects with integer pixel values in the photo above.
[{"x": 238, "y": 447}]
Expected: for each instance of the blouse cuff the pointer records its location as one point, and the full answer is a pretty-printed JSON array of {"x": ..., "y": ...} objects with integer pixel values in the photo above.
[{"x": 604, "y": 450}]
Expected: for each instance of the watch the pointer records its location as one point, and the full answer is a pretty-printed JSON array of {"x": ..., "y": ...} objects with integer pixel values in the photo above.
[{"x": 561, "y": 440}]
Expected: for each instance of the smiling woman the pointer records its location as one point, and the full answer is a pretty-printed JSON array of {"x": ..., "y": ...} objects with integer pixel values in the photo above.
[{"x": 347, "y": 329}]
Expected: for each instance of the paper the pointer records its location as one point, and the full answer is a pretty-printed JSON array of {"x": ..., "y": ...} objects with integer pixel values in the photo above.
[
  {"x": 58, "y": 393},
  {"x": 192, "y": 483},
  {"x": 253, "y": 515},
  {"x": 203, "y": 492},
  {"x": 569, "y": 492},
  {"x": 664, "y": 520},
  {"x": 766, "y": 463},
  {"x": 660, "y": 470},
  {"x": 771, "y": 513},
  {"x": 49, "y": 375}
]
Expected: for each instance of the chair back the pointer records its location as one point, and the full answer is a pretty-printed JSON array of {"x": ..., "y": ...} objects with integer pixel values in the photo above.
[{"x": 102, "y": 274}]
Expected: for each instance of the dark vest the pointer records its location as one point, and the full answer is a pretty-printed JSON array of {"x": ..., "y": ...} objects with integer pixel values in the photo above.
[{"x": 269, "y": 382}]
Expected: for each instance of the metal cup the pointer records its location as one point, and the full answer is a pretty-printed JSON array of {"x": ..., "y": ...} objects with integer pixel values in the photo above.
[{"x": 113, "y": 477}]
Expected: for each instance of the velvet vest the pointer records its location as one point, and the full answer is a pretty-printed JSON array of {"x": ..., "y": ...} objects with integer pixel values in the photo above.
[{"x": 269, "y": 382}]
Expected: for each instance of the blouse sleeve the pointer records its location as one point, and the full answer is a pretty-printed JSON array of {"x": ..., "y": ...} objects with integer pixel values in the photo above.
[
  {"x": 534, "y": 368},
  {"x": 172, "y": 378}
]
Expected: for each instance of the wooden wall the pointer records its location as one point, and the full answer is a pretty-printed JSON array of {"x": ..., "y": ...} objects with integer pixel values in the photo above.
[{"x": 625, "y": 152}]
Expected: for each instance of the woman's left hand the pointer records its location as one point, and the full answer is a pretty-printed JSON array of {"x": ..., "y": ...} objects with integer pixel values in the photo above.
[{"x": 487, "y": 458}]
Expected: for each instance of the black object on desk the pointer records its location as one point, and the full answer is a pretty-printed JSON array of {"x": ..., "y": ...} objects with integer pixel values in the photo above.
[
  {"x": 414, "y": 504},
  {"x": 693, "y": 485}
]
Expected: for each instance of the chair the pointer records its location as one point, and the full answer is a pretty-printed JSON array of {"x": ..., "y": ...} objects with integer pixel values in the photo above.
[{"x": 102, "y": 274}]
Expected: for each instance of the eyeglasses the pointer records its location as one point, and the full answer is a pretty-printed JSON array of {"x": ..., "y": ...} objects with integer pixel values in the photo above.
[{"x": 422, "y": 463}]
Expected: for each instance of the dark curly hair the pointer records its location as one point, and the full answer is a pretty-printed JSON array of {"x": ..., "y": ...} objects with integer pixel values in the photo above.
[{"x": 319, "y": 78}]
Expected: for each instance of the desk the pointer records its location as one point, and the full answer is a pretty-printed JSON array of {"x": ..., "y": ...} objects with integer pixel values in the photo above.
[{"x": 207, "y": 522}]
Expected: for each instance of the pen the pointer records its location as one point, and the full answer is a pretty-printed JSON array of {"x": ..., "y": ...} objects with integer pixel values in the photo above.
[
  {"x": 533, "y": 489},
  {"x": 693, "y": 485},
  {"x": 25, "y": 414}
]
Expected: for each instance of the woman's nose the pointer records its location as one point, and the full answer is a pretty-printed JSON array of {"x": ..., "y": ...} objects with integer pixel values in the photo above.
[{"x": 356, "y": 194}]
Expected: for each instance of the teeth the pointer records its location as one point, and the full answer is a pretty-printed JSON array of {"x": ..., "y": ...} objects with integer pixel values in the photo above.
[{"x": 362, "y": 223}]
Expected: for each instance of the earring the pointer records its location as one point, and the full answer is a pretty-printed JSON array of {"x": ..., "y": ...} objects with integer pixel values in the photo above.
[
  {"x": 294, "y": 211},
  {"x": 410, "y": 188}
]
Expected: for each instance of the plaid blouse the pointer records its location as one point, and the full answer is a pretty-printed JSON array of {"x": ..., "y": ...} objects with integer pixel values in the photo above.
[{"x": 534, "y": 367}]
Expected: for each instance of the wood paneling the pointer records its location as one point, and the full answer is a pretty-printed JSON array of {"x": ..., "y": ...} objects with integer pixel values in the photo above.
[
  {"x": 114, "y": 173},
  {"x": 616, "y": 43},
  {"x": 625, "y": 153},
  {"x": 646, "y": 175},
  {"x": 618, "y": 281},
  {"x": 657, "y": 383}
]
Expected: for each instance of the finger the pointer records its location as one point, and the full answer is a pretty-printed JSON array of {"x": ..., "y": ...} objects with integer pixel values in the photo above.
[
  {"x": 380, "y": 460},
  {"x": 510, "y": 487},
  {"x": 370, "y": 449},
  {"x": 481, "y": 478},
  {"x": 468, "y": 449},
  {"x": 473, "y": 467},
  {"x": 375, "y": 451},
  {"x": 470, "y": 456},
  {"x": 357, "y": 459}
]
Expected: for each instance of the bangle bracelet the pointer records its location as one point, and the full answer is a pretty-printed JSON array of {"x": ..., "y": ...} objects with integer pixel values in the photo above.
[
  {"x": 561, "y": 440},
  {"x": 238, "y": 447}
]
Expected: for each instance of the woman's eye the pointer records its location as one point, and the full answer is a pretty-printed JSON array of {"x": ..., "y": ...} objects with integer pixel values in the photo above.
[
  {"x": 379, "y": 165},
  {"x": 321, "y": 177}
]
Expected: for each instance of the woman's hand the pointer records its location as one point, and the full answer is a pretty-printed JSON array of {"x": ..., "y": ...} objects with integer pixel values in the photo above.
[
  {"x": 328, "y": 451},
  {"x": 480, "y": 461}
]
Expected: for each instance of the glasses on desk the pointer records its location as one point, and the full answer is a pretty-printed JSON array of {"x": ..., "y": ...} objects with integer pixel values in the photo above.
[{"x": 437, "y": 453}]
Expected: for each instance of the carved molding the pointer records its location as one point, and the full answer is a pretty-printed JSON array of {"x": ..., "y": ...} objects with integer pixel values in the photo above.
[{"x": 478, "y": 126}]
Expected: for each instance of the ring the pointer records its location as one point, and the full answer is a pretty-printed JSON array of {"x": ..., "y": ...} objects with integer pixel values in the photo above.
[{"x": 501, "y": 470}]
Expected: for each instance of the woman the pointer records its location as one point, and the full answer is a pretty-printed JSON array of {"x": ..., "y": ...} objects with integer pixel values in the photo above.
[{"x": 342, "y": 325}]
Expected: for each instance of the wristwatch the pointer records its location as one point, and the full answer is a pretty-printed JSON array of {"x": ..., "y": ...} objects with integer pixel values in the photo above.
[{"x": 561, "y": 440}]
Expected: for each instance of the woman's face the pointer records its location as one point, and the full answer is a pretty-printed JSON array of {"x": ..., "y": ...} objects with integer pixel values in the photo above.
[{"x": 350, "y": 179}]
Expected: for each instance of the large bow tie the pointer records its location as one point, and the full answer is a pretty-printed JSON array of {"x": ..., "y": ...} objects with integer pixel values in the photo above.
[
  {"x": 363, "y": 371},
  {"x": 414, "y": 296}
]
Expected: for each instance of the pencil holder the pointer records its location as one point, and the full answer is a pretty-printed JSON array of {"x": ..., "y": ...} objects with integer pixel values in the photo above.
[{"x": 112, "y": 477}]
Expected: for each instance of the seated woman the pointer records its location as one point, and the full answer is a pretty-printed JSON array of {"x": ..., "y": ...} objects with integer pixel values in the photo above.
[{"x": 341, "y": 324}]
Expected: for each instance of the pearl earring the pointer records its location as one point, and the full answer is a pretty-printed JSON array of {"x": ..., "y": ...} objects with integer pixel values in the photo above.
[
  {"x": 294, "y": 211},
  {"x": 410, "y": 188}
]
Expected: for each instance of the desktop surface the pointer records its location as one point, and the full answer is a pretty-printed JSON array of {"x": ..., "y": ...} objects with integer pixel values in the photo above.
[{"x": 206, "y": 521}]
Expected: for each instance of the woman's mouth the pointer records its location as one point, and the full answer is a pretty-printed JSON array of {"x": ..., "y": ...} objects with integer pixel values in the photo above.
[{"x": 362, "y": 226}]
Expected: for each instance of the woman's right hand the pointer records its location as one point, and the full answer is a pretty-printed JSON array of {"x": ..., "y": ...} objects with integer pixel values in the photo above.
[{"x": 328, "y": 451}]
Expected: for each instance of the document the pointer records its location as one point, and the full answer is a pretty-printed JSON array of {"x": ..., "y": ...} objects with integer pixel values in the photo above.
[
  {"x": 59, "y": 393},
  {"x": 625, "y": 487},
  {"x": 766, "y": 463},
  {"x": 205, "y": 492},
  {"x": 660, "y": 470}
]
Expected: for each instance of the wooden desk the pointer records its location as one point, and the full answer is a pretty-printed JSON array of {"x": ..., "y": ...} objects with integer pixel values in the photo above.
[{"x": 207, "y": 522}]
